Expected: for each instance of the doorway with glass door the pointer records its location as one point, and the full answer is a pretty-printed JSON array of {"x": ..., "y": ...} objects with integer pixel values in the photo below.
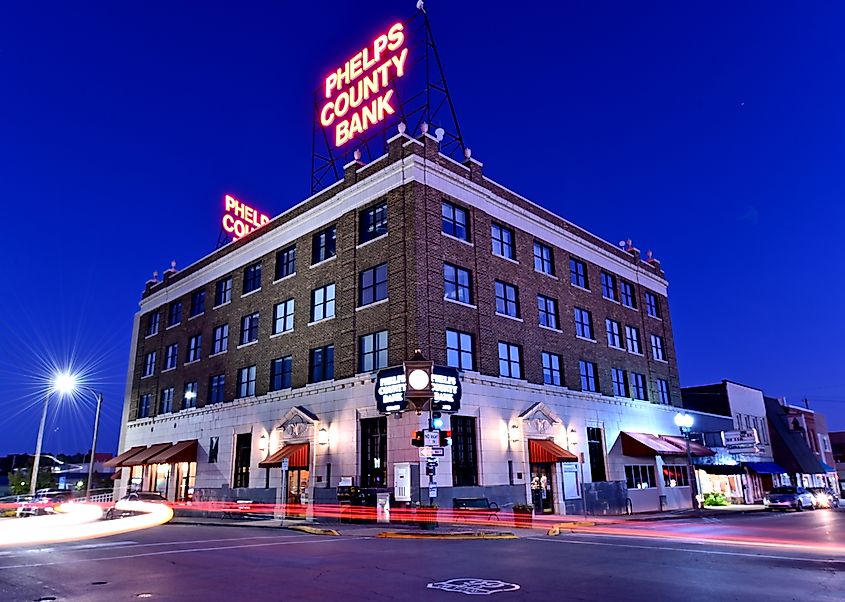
[
  {"x": 541, "y": 488},
  {"x": 297, "y": 488}
]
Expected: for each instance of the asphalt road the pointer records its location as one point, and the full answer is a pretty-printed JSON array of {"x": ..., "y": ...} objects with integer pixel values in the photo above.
[{"x": 183, "y": 562}]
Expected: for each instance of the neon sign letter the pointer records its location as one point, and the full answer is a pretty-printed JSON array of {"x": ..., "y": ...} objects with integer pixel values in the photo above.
[
  {"x": 358, "y": 94},
  {"x": 239, "y": 219}
]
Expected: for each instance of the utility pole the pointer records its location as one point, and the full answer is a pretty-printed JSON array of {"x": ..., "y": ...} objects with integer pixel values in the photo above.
[
  {"x": 93, "y": 447},
  {"x": 37, "y": 461}
]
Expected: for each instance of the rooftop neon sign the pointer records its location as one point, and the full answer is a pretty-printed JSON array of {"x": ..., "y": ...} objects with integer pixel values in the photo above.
[
  {"x": 239, "y": 219},
  {"x": 358, "y": 95}
]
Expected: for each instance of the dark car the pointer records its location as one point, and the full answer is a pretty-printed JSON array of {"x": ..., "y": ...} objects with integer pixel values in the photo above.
[
  {"x": 796, "y": 498},
  {"x": 825, "y": 497},
  {"x": 45, "y": 502},
  {"x": 153, "y": 497}
]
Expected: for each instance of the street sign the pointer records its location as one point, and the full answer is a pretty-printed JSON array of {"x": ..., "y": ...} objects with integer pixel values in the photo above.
[
  {"x": 430, "y": 470},
  {"x": 285, "y": 463},
  {"x": 438, "y": 451},
  {"x": 432, "y": 461},
  {"x": 431, "y": 438},
  {"x": 426, "y": 452},
  {"x": 432, "y": 489}
]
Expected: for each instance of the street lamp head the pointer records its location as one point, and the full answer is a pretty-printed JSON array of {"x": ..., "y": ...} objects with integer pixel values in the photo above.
[
  {"x": 64, "y": 383},
  {"x": 683, "y": 420}
]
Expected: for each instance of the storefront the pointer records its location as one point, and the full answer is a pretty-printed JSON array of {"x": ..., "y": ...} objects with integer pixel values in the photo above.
[
  {"x": 170, "y": 469},
  {"x": 296, "y": 477},
  {"x": 545, "y": 458},
  {"x": 724, "y": 479}
]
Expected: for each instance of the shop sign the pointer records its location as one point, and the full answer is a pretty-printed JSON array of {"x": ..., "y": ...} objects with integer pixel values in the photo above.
[
  {"x": 239, "y": 219},
  {"x": 445, "y": 386},
  {"x": 360, "y": 94},
  {"x": 742, "y": 438}
]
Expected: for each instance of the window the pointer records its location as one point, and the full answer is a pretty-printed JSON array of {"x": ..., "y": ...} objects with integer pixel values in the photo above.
[
  {"x": 663, "y": 391},
  {"x": 286, "y": 262},
  {"x": 252, "y": 278},
  {"x": 246, "y": 381},
  {"x": 221, "y": 339},
  {"x": 459, "y": 353},
  {"x": 174, "y": 314},
  {"x": 372, "y": 223},
  {"x": 194, "y": 348},
  {"x": 548, "y": 311},
  {"x": 544, "y": 260},
  {"x": 374, "y": 452},
  {"x": 144, "y": 405},
  {"x": 464, "y": 453},
  {"x": 587, "y": 372},
  {"x": 213, "y": 448},
  {"x": 223, "y": 291},
  {"x": 608, "y": 286},
  {"x": 507, "y": 299},
  {"x": 638, "y": 390},
  {"x": 620, "y": 382},
  {"x": 281, "y": 373},
  {"x": 149, "y": 363},
  {"x": 652, "y": 307},
  {"x": 321, "y": 364},
  {"x": 243, "y": 451},
  {"x": 551, "y": 368},
  {"x": 583, "y": 323},
  {"x": 166, "y": 401},
  {"x": 632, "y": 339},
  {"x": 455, "y": 221},
  {"x": 283, "y": 317},
  {"x": 626, "y": 294},
  {"x": 675, "y": 476},
  {"x": 613, "y": 328},
  {"x": 197, "y": 302},
  {"x": 171, "y": 355},
  {"x": 372, "y": 351},
  {"x": 640, "y": 476},
  {"x": 323, "y": 245},
  {"x": 457, "y": 283},
  {"x": 595, "y": 447},
  {"x": 322, "y": 303},
  {"x": 578, "y": 273},
  {"x": 189, "y": 399},
  {"x": 503, "y": 241},
  {"x": 217, "y": 388},
  {"x": 657, "y": 348},
  {"x": 372, "y": 285},
  {"x": 152, "y": 324},
  {"x": 510, "y": 360},
  {"x": 249, "y": 328}
]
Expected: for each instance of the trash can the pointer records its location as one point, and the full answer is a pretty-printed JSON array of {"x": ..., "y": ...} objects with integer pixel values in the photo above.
[{"x": 383, "y": 507}]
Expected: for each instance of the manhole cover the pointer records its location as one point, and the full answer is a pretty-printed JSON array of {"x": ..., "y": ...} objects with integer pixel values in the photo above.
[{"x": 474, "y": 587}]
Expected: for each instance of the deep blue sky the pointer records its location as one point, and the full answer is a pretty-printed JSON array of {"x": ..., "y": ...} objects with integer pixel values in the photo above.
[{"x": 712, "y": 134}]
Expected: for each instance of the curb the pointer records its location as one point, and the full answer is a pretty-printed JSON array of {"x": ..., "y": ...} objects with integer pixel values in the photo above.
[
  {"x": 458, "y": 535},
  {"x": 314, "y": 530},
  {"x": 725, "y": 514},
  {"x": 220, "y": 524},
  {"x": 556, "y": 529}
]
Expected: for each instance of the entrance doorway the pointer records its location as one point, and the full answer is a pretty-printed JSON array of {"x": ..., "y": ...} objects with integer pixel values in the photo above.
[
  {"x": 297, "y": 487},
  {"x": 541, "y": 488}
]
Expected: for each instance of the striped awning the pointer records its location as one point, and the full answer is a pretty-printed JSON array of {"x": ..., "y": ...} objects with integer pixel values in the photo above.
[
  {"x": 543, "y": 451},
  {"x": 298, "y": 455},
  {"x": 696, "y": 449},
  {"x": 183, "y": 451},
  {"x": 143, "y": 457},
  {"x": 118, "y": 460}
]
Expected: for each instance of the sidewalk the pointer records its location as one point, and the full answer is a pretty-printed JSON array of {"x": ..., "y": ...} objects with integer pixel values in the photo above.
[{"x": 689, "y": 513}]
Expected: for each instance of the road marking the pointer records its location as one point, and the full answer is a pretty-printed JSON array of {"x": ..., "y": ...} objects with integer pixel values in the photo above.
[
  {"x": 691, "y": 551},
  {"x": 474, "y": 587},
  {"x": 105, "y": 544},
  {"x": 314, "y": 540}
]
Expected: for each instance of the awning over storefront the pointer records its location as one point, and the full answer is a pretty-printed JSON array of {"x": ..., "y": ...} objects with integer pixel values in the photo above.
[
  {"x": 144, "y": 456},
  {"x": 696, "y": 449},
  {"x": 119, "y": 460},
  {"x": 643, "y": 444},
  {"x": 765, "y": 467},
  {"x": 183, "y": 451},
  {"x": 721, "y": 469},
  {"x": 827, "y": 467},
  {"x": 542, "y": 451},
  {"x": 297, "y": 453}
]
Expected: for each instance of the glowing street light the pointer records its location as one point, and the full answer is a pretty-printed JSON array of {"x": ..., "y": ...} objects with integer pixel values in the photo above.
[{"x": 684, "y": 422}]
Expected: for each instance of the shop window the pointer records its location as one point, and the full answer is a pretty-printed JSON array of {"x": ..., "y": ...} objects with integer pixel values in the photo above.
[
  {"x": 464, "y": 453},
  {"x": 374, "y": 452},
  {"x": 595, "y": 446},
  {"x": 640, "y": 476},
  {"x": 243, "y": 452},
  {"x": 675, "y": 476}
]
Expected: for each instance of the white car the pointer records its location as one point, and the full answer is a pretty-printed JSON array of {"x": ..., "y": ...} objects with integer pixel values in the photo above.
[{"x": 786, "y": 498}]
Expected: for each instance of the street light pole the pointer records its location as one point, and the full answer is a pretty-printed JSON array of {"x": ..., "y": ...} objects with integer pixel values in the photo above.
[
  {"x": 93, "y": 448},
  {"x": 37, "y": 462},
  {"x": 684, "y": 422}
]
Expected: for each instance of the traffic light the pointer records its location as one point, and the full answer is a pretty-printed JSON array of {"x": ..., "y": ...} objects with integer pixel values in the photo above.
[
  {"x": 436, "y": 420},
  {"x": 418, "y": 440},
  {"x": 445, "y": 438}
]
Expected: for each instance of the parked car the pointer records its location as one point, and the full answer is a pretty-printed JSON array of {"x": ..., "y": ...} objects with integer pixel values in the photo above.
[
  {"x": 796, "y": 498},
  {"x": 45, "y": 502},
  {"x": 825, "y": 497},
  {"x": 153, "y": 497}
]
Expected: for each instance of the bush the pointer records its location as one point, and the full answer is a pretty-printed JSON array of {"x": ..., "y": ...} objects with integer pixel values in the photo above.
[{"x": 716, "y": 499}]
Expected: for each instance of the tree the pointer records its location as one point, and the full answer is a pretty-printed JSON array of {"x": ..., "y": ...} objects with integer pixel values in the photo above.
[{"x": 19, "y": 482}]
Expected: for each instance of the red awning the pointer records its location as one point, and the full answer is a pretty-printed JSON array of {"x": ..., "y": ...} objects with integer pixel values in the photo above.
[
  {"x": 696, "y": 449},
  {"x": 144, "y": 457},
  {"x": 184, "y": 451},
  {"x": 542, "y": 451},
  {"x": 118, "y": 460},
  {"x": 298, "y": 455},
  {"x": 643, "y": 444}
]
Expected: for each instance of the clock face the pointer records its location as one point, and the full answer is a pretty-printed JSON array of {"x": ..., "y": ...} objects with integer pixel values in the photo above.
[{"x": 418, "y": 379}]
